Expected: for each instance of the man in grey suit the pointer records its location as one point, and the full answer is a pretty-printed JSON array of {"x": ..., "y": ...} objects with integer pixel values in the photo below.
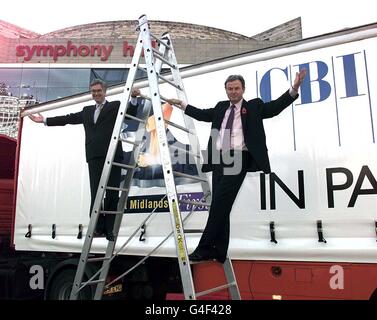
[{"x": 98, "y": 121}]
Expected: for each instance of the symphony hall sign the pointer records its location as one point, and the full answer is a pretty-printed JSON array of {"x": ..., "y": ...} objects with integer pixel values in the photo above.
[{"x": 103, "y": 52}]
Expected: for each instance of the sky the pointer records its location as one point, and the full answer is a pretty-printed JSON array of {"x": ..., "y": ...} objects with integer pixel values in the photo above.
[{"x": 246, "y": 17}]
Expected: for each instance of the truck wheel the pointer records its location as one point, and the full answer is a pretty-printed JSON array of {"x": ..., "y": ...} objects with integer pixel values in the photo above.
[{"x": 61, "y": 286}]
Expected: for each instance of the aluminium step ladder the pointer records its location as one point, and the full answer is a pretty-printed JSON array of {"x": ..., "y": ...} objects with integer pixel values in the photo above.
[{"x": 154, "y": 59}]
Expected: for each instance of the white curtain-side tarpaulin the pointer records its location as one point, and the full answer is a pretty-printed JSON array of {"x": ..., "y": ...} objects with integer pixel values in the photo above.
[{"x": 322, "y": 150}]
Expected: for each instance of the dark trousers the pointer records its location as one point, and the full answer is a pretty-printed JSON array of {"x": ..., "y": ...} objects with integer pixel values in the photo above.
[
  {"x": 105, "y": 223},
  {"x": 225, "y": 187}
]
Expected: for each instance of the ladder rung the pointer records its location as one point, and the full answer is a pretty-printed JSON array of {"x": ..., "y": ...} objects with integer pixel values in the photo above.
[
  {"x": 157, "y": 53},
  {"x": 202, "y": 261},
  {"x": 129, "y": 142},
  {"x": 166, "y": 121},
  {"x": 98, "y": 259},
  {"x": 160, "y": 42},
  {"x": 158, "y": 56},
  {"x": 111, "y": 212},
  {"x": 168, "y": 81},
  {"x": 225, "y": 286},
  {"x": 93, "y": 282},
  {"x": 142, "y": 69},
  {"x": 186, "y": 151},
  {"x": 180, "y": 174},
  {"x": 116, "y": 189},
  {"x": 195, "y": 203},
  {"x": 193, "y": 230},
  {"x": 177, "y": 126},
  {"x": 161, "y": 96},
  {"x": 122, "y": 165},
  {"x": 134, "y": 118}
]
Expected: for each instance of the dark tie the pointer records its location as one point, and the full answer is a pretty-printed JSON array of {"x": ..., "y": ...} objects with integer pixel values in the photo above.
[{"x": 228, "y": 129}]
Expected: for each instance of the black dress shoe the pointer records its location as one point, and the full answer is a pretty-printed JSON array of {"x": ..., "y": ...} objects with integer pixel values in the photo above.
[
  {"x": 220, "y": 259},
  {"x": 197, "y": 256},
  {"x": 98, "y": 234},
  {"x": 110, "y": 236}
]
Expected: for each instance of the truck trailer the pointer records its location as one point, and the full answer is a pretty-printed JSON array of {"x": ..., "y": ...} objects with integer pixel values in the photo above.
[{"x": 308, "y": 230}]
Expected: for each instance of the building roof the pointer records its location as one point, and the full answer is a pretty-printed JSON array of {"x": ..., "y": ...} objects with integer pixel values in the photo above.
[
  {"x": 126, "y": 29},
  {"x": 9, "y": 30},
  {"x": 288, "y": 31}
]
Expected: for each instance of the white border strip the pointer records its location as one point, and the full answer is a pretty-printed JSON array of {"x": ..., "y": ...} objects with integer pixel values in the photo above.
[{"x": 207, "y": 68}]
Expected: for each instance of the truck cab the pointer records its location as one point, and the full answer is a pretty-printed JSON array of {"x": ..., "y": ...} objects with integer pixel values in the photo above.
[{"x": 7, "y": 167}]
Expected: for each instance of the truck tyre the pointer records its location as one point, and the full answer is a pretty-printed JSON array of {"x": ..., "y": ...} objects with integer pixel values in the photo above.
[{"x": 61, "y": 286}]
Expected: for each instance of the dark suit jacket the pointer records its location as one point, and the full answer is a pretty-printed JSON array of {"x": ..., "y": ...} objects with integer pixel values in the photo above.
[
  {"x": 252, "y": 114},
  {"x": 97, "y": 135}
]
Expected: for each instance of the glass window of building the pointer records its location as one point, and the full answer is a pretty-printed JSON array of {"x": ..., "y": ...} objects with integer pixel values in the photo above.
[
  {"x": 11, "y": 78},
  {"x": 67, "y": 82}
]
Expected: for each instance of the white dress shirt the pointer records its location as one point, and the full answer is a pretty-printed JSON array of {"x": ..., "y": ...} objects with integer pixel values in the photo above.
[{"x": 237, "y": 141}]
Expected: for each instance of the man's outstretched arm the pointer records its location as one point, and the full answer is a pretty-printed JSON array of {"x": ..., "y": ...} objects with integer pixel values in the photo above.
[
  {"x": 72, "y": 118},
  {"x": 198, "y": 114},
  {"x": 300, "y": 76},
  {"x": 274, "y": 107},
  {"x": 38, "y": 118}
]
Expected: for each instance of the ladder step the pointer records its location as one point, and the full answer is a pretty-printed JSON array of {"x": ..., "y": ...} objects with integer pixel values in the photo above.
[
  {"x": 122, "y": 165},
  {"x": 160, "y": 42},
  {"x": 168, "y": 81},
  {"x": 129, "y": 142},
  {"x": 111, "y": 212},
  {"x": 193, "y": 230},
  {"x": 157, "y": 53},
  {"x": 141, "y": 69},
  {"x": 180, "y": 174},
  {"x": 195, "y": 203},
  {"x": 93, "y": 282},
  {"x": 166, "y": 121},
  {"x": 98, "y": 259},
  {"x": 225, "y": 286},
  {"x": 178, "y": 126},
  {"x": 158, "y": 56},
  {"x": 117, "y": 189},
  {"x": 164, "y": 99},
  {"x": 134, "y": 118}
]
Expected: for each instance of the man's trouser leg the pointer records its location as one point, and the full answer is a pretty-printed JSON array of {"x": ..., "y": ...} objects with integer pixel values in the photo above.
[
  {"x": 215, "y": 238},
  {"x": 112, "y": 198},
  {"x": 95, "y": 171},
  {"x": 105, "y": 223}
]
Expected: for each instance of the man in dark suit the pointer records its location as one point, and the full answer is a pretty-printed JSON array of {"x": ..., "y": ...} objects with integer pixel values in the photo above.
[
  {"x": 98, "y": 121},
  {"x": 237, "y": 145}
]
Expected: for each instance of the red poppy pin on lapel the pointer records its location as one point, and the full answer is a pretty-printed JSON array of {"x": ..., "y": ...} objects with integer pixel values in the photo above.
[{"x": 243, "y": 111}]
